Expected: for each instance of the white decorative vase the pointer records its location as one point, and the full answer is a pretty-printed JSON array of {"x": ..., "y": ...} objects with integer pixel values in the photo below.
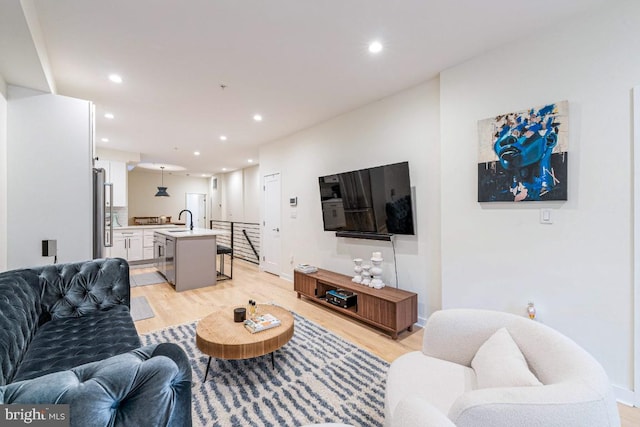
[
  {"x": 358, "y": 269},
  {"x": 366, "y": 275},
  {"x": 376, "y": 272}
]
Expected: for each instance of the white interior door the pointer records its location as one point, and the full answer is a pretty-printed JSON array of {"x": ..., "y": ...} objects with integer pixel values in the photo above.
[
  {"x": 197, "y": 204},
  {"x": 271, "y": 224}
]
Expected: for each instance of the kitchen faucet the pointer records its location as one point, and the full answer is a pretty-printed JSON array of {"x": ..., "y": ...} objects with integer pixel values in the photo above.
[{"x": 190, "y": 217}]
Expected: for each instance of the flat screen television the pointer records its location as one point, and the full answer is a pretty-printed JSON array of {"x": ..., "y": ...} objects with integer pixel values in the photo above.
[{"x": 373, "y": 201}]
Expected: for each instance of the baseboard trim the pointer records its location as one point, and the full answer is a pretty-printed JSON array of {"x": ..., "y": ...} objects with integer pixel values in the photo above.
[
  {"x": 287, "y": 277},
  {"x": 624, "y": 396}
]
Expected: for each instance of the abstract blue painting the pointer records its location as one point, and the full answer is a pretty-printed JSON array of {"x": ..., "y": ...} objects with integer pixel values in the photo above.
[{"x": 523, "y": 155}]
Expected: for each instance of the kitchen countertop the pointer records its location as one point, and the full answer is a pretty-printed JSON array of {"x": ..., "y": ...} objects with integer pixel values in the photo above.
[
  {"x": 145, "y": 227},
  {"x": 196, "y": 232}
]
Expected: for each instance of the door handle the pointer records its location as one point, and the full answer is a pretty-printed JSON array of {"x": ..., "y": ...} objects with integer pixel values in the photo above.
[
  {"x": 276, "y": 229},
  {"x": 107, "y": 184}
]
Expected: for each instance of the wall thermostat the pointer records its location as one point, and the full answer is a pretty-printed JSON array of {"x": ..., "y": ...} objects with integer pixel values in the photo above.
[{"x": 293, "y": 201}]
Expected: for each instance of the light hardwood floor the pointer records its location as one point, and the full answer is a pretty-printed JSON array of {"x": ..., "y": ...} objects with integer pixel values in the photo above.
[{"x": 174, "y": 308}]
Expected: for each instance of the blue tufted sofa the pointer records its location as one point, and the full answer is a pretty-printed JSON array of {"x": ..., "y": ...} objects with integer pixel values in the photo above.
[{"x": 66, "y": 337}]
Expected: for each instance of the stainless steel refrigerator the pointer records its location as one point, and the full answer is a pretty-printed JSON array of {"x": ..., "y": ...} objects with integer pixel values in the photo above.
[{"x": 102, "y": 213}]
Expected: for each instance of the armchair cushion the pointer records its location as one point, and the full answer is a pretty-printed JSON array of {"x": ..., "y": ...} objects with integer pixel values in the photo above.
[
  {"x": 500, "y": 363},
  {"x": 67, "y": 342},
  {"x": 432, "y": 380},
  {"x": 414, "y": 412}
]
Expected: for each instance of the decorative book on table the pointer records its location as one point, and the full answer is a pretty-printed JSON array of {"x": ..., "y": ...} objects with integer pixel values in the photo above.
[
  {"x": 261, "y": 322},
  {"x": 306, "y": 268}
]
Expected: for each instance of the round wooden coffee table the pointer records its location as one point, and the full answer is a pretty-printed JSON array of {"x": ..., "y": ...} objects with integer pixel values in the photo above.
[{"x": 217, "y": 335}]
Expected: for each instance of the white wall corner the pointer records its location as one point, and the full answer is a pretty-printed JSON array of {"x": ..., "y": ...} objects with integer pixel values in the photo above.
[
  {"x": 3, "y": 91},
  {"x": 636, "y": 242},
  {"x": 31, "y": 17},
  {"x": 624, "y": 396},
  {"x": 3, "y": 175}
]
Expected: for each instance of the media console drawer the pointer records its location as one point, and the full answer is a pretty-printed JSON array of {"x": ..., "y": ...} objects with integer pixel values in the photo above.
[{"x": 390, "y": 309}]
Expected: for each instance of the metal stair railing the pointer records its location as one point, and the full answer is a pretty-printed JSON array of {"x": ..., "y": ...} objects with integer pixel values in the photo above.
[{"x": 243, "y": 238}]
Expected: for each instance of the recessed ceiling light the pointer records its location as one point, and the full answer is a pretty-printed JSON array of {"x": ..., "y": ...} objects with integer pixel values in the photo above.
[
  {"x": 105, "y": 139},
  {"x": 250, "y": 160},
  {"x": 196, "y": 153},
  {"x": 375, "y": 47},
  {"x": 109, "y": 115},
  {"x": 257, "y": 117},
  {"x": 115, "y": 78},
  {"x": 223, "y": 137},
  {"x": 224, "y": 169}
]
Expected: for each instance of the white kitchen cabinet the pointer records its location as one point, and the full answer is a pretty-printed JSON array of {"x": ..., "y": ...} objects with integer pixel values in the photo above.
[
  {"x": 116, "y": 174},
  {"x": 147, "y": 244},
  {"x": 128, "y": 245}
]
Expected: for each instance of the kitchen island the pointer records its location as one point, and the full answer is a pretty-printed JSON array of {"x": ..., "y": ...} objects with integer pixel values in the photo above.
[{"x": 187, "y": 258}]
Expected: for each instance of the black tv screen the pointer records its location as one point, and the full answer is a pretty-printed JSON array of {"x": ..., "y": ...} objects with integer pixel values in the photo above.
[{"x": 374, "y": 200}]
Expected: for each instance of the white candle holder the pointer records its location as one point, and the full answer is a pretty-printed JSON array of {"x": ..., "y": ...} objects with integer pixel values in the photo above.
[
  {"x": 358, "y": 270},
  {"x": 376, "y": 272},
  {"x": 366, "y": 275}
]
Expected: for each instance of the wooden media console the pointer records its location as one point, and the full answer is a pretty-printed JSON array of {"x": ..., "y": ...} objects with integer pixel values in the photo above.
[{"x": 390, "y": 309}]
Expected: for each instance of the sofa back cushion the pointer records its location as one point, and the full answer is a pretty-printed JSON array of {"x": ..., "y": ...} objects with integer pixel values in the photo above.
[
  {"x": 20, "y": 312},
  {"x": 72, "y": 341},
  {"x": 74, "y": 289},
  {"x": 500, "y": 363}
]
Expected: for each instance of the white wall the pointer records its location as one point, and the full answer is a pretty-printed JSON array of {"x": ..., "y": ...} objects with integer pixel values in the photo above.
[
  {"x": 239, "y": 195},
  {"x": 252, "y": 194},
  {"x": 215, "y": 210},
  {"x": 3, "y": 175},
  {"x": 143, "y": 185},
  {"x": 103, "y": 153},
  {"x": 233, "y": 196},
  {"x": 404, "y": 127},
  {"x": 49, "y": 177},
  {"x": 578, "y": 271}
]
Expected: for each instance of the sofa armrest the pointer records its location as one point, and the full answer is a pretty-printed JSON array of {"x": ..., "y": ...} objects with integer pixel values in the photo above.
[
  {"x": 548, "y": 405},
  {"x": 416, "y": 412},
  {"x": 147, "y": 386},
  {"x": 73, "y": 289}
]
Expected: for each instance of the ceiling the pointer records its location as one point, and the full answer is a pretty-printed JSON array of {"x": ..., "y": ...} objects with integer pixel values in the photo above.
[{"x": 195, "y": 70}]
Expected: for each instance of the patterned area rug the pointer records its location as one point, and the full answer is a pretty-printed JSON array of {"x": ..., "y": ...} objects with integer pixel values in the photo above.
[{"x": 318, "y": 378}]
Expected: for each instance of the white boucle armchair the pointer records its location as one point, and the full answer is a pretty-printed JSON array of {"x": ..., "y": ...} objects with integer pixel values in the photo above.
[{"x": 439, "y": 387}]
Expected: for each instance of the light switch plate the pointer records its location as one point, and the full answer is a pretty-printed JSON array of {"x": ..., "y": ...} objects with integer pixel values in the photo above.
[{"x": 545, "y": 216}]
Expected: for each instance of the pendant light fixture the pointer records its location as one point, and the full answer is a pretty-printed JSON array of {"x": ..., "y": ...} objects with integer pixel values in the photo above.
[{"x": 162, "y": 191}]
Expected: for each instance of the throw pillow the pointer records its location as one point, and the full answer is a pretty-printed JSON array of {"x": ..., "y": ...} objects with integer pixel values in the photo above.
[{"x": 500, "y": 363}]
